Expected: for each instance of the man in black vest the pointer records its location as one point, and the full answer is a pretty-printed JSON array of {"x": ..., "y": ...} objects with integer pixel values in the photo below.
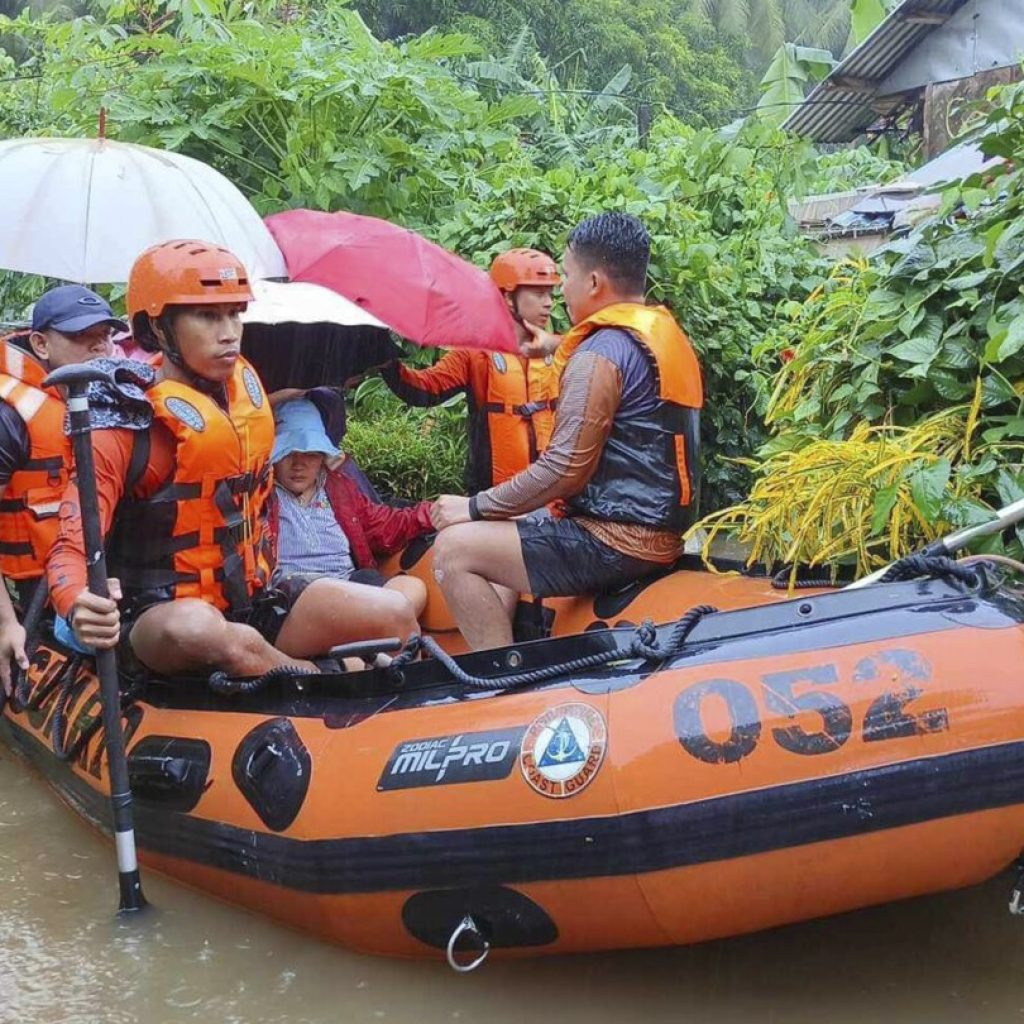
[{"x": 622, "y": 462}]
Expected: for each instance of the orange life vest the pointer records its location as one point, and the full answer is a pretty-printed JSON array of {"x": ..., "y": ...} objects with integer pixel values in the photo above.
[
  {"x": 519, "y": 402},
  {"x": 31, "y": 501},
  {"x": 203, "y": 533},
  {"x": 648, "y": 472}
]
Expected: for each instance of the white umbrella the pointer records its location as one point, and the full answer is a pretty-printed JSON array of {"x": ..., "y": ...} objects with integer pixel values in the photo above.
[
  {"x": 83, "y": 209},
  {"x": 299, "y": 302}
]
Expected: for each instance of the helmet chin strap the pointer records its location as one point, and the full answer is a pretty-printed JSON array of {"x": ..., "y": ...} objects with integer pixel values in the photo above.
[
  {"x": 171, "y": 351},
  {"x": 516, "y": 315}
]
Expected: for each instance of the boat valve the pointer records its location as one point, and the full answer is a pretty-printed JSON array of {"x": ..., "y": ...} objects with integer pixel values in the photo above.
[{"x": 467, "y": 926}]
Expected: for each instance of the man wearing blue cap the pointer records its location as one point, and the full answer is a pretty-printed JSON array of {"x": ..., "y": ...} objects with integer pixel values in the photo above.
[{"x": 70, "y": 324}]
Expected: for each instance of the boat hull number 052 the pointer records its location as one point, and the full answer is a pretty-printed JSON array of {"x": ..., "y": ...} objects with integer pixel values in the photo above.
[{"x": 795, "y": 693}]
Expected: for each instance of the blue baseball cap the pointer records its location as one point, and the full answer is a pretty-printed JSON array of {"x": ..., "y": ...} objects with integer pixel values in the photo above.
[
  {"x": 300, "y": 428},
  {"x": 71, "y": 308}
]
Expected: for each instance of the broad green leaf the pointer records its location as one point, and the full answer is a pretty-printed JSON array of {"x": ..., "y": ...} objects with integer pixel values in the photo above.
[
  {"x": 916, "y": 350},
  {"x": 884, "y": 501},
  {"x": 782, "y": 87},
  {"x": 928, "y": 487},
  {"x": 1007, "y": 340},
  {"x": 910, "y": 320},
  {"x": 992, "y": 237},
  {"x": 865, "y": 17},
  {"x": 969, "y": 280},
  {"x": 950, "y": 387},
  {"x": 1011, "y": 427},
  {"x": 1009, "y": 486}
]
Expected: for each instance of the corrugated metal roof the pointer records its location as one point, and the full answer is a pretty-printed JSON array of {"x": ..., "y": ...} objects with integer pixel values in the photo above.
[{"x": 844, "y": 104}]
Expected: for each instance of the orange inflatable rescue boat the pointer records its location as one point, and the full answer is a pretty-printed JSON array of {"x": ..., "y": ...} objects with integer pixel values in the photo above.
[{"x": 603, "y": 785}]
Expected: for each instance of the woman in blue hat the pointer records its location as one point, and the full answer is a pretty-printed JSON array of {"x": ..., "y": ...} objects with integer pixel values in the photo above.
[{"x": 322, "y": 522}]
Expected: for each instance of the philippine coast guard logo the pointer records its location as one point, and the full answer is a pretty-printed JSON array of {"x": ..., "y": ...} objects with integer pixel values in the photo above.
[
  {"x": 499, "y": 362},
  {"x": 187, "y": 413},
  {"x": 563, "y": 749},
  {"x": 252, "y": 385}
]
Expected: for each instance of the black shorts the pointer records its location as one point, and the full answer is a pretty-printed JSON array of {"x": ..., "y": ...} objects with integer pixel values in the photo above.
[
  {"x": 266, "y": 614},
  {"x": 563, "y": 559},
  {"x": 293, "y": 586}
]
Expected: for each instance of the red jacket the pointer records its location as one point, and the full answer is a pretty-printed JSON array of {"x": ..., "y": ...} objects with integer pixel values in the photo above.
[{"x": 371, "y": 529}]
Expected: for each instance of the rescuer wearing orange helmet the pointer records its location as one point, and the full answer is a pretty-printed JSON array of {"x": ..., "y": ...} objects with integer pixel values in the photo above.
[
  {"x": 183, "y": 503},
  {"x": 511, "y": 398}
]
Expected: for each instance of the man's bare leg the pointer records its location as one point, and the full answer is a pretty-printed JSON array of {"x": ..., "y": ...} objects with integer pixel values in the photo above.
[
  {"x": 414, "y": 590},
  {"x": 509, "y": 599},
  {"x": 468, "y": 560},
  {"x": 331, "y": 612},
  {"x": 189, "y": 635}
]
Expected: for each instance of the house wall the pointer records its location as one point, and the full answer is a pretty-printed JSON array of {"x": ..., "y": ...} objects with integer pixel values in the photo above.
[{"x": 948, "y": 104}]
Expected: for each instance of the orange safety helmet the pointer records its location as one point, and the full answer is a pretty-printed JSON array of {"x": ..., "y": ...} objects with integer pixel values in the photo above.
[
  {"x": 185, "y": 273},
  {"x": 518, "y": 267}
]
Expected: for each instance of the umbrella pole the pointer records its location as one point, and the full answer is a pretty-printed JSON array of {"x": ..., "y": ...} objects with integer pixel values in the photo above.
[{"x": 77, "y": 379}]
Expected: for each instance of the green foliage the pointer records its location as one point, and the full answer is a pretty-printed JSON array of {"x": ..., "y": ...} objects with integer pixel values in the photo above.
[
  {"x": 848, "y": 169},
  {"x": 409, "y": 453},
  {"x": 567, "y": 119},
  {"x": 310, "y": 109},
  {"x": 934, "y": 321},
  {"x": 676, "y": 56},
  {"x": 866, "y": 16},
  {"x": 785, "y": 82}
]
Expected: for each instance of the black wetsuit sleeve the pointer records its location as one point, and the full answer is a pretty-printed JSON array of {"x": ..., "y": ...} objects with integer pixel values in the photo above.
[{"x": 14, "y": 443}]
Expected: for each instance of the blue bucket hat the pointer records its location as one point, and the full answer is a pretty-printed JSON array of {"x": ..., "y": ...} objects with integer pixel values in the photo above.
[
  {"x": 71, "y": 308},
  {"x": 300, "y": 428}
]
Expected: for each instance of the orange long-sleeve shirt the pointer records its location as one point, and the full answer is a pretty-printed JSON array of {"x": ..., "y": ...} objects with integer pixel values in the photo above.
[
  {"x": 112, "y": 454},
  {"x": 511, "y": 406}
]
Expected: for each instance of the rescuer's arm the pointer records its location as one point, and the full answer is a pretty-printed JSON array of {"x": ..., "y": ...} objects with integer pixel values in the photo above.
[
  {"x": 541, "y": 344},
  {"x": 95, "y": 619},
  {"x": 14, "y": 453},
  {"x": 590, "y": 395},
  {"x": 432, "y": 385},
  {"x": 12, "y": 633}
]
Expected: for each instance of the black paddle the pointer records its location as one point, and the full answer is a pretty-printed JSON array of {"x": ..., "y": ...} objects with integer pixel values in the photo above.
[
  {"x": 76, "y": 379},
  {"x": 953, "y": 542}
]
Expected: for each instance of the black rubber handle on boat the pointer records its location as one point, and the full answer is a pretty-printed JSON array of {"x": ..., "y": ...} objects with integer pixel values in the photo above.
[
  {"x": 367, "y": 648},
  {"x": 77, "y": 379}
]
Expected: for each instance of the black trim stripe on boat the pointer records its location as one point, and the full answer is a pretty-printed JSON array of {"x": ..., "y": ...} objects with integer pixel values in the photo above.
[{"x": 702, "y": 832}]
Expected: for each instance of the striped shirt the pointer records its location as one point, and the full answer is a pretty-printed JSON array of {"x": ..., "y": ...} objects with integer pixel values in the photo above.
[{"x": 310, "y": 542}]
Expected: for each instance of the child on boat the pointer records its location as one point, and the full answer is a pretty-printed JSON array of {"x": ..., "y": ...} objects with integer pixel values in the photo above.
[{"x": 321, "y": 521}]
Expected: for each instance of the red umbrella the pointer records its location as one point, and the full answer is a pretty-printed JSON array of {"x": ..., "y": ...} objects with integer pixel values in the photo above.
[{"x": 420, "y": 290}]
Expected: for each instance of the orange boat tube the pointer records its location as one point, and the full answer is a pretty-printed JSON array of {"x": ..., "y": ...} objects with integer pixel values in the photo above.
[{"x": 789, "y": 760}]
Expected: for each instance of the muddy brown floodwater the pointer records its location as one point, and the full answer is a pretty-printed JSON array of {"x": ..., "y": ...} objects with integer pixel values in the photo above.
[{"x": 66, "y": 959}]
